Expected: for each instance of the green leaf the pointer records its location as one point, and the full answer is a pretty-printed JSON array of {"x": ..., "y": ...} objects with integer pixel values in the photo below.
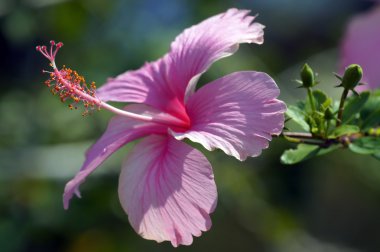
[
  {"x": 366, "y": 145},
  {"x": 370, "y": 114},
  {"x": 326, "y": 104},
  {"x": 372, "y": 120},
  {"x": 322, "y": 101},
  {"x": 345, "y": 130},
  {"x": 303, "y": 152},
  {"x": 298, "y": 116},
  {"x": 354, "y": 105}
]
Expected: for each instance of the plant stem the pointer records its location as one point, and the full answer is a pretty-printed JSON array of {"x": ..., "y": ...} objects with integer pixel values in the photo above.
[
  {"x": 341, "y": 107},
  {"x": 298, "y": 135},
  {"x": 311, "y": 98},
  {"x": 307, "y": 138},
  {"x": 328, "y": 122}
]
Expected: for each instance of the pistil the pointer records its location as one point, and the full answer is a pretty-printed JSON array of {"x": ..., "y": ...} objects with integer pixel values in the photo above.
[{"x": 70, "y": 85}]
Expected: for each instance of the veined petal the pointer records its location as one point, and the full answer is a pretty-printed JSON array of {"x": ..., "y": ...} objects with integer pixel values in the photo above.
[
  {"x": 167, "y": 189},
  {"x": 193, "y": 51},
  {"x": 146, "y": 85},
  {"x": 163, "y": 83},
  {"x": 237, "y": 114},
  {"x": 361, "y": 45},
  {"x": 120, "y": 131}
]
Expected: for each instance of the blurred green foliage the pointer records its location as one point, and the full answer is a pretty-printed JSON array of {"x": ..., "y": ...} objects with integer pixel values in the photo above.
[{"x": 331, "y": 203}]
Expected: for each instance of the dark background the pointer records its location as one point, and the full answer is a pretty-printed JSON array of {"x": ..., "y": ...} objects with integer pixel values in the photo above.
[{"x": 330, "y": 203}]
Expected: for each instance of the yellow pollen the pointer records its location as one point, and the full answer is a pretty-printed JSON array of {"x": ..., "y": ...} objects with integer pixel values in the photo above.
[{"x": 69, "y": 85}]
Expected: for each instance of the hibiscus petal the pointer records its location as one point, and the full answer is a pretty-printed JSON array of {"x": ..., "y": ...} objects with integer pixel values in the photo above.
[
  {"x": 241, "y": 116},
  {"x": 167, "y": 189},
  {"x": 120, "y": 131},
  {"x": 199, "y": 46},
  {"x": 163, "y": 83},
  {"x": 146, "y": 85},
  {"x": 361, "y": 45}
]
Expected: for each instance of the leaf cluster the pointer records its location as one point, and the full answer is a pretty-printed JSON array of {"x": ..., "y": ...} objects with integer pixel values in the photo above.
[{"x": 352, "y": 123}]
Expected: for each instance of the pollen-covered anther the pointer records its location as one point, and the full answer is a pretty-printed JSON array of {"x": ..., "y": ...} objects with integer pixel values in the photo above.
[{"x": 72, "y": 87}]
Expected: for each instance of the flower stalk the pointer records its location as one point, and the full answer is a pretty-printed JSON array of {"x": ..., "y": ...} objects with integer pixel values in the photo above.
[
  {"x": 341, "y": 107},
  {"x": 311, "y": 99}
]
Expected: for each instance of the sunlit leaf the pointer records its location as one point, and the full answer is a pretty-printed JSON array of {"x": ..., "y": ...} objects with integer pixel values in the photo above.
[
  {"x": 345, "y": 130},
  {"x": 298, "y": 116},
  {"x": 303, "y": 152}
]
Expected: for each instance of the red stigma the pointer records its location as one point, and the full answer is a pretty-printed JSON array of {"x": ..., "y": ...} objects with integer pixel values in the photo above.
[{"x": 50, "y": 55}]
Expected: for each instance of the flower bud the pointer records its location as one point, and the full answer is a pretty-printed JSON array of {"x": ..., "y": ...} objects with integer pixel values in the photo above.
[
  {"x": 352, "y": 76},
  {"x": 329, "y": 115},
  {"x": 307, "y": 76}
]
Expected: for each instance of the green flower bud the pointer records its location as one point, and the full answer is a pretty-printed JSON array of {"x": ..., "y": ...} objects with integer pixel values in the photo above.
[
  {"x": 329, "y": 115},
  {"x": 307, "y": 76},
  {"x": 352, "y": 76}
]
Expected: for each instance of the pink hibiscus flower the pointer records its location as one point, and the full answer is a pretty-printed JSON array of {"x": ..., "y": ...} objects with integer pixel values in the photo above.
[
  {"x": 167, "y": 187},
  {"x": 361, "y": 45}
]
